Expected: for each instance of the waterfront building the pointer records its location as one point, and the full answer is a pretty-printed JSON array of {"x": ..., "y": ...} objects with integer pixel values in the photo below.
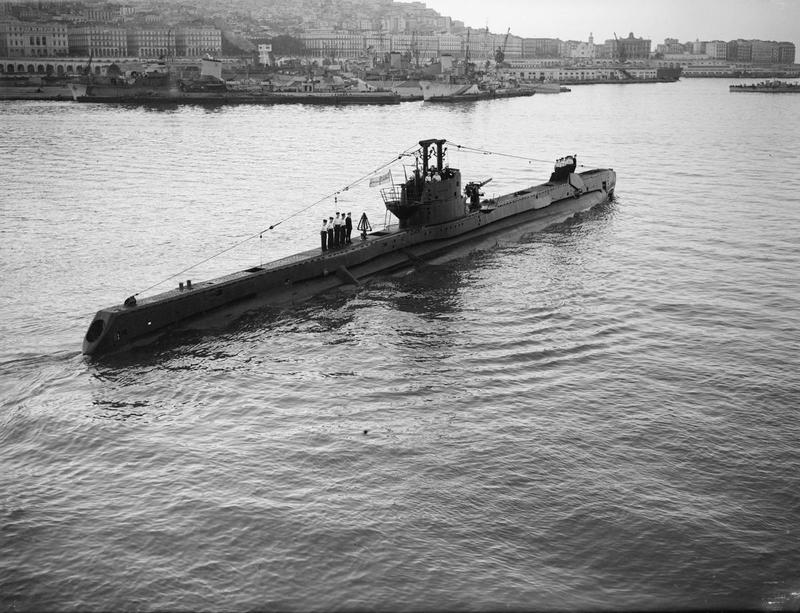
[
  {"x": 377, "y": 43},
  {"x": 33, "y": 39},
  {"x": 630, "y": 48},
  {"x": 198, "y": 41},
  {"x": 451, "y": 44},
  {"x": 483, "y": 44},
  {"x": 581, "y": 50},
  {"x": 716, "y": 50},
  {"x": 739, "y": 51},
  {"x": 338, "y": 44},
  {"x": 760, "y": 52},
  {"x": 98, "y": 41},
  {"x": 527, "y": 70},
  {"x": 671, "y": 46},
  {"x": 708, "y": 68},
  {"x": 786, "y": 53},
  {"x": 763, "y": 52},
  {"x": 418, "y": 47},
  {"x": 513, "y": 47},
  {"x": 55, "y": 66},
  {"x": 153, "y": 42}
]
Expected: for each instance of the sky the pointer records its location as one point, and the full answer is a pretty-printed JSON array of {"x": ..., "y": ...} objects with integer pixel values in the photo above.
[{"x": 654, "y": 19}]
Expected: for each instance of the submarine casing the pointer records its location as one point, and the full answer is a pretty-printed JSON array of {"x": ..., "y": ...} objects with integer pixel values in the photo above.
[{"x": 299, "y": 276}]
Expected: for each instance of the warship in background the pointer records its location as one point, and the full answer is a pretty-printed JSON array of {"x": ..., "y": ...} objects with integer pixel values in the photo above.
[
  {"x": 159, "y": 84},
  {"x": 433, "y": 91}
]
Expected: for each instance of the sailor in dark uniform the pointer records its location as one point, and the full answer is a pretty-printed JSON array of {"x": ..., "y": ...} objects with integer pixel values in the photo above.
[
  {"x": 330, "y": 233},
  {"x": 337, "y": 231},
  {"x": 348, "y": 229},
  {"x": 323, "y": 234}
]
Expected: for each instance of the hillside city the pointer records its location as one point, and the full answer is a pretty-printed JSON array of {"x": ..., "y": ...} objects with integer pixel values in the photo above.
[{"x": 59, "y": 37}]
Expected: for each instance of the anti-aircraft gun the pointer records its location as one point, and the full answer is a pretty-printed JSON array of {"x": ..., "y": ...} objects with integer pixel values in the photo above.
[{"x": 472, "y": 191}]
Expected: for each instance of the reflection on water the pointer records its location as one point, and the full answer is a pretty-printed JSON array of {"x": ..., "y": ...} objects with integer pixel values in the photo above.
[{"x": 429, "y": 290}]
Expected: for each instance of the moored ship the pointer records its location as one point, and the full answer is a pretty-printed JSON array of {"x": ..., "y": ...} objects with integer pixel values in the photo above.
[
  {"x": 435, "y": 213},
  {"x": 768, "y": 87},
  {"x": 158, "y": 84},
  {"x": 443, "y": 91}
]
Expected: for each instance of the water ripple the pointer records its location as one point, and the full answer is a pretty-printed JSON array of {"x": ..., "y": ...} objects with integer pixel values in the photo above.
[{"x": 600, "y": 415}]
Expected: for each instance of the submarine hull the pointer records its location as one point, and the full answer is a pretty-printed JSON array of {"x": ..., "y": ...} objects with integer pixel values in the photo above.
[{"x": 297, "y": 277}]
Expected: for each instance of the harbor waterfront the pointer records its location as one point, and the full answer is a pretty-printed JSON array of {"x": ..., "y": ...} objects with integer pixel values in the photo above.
[{"x": 601, "y": 415}]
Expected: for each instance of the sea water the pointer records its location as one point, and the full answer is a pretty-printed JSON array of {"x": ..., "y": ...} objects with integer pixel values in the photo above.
[{"x": 600, "y": 415}]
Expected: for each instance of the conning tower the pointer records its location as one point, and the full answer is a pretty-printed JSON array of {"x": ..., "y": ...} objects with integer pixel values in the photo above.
[
  {"x": 432, "y": 194},
  {"x": 564, "y": 168}
]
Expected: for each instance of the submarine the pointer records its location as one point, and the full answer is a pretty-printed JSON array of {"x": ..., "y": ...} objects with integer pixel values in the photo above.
[{"x": 435, "y": 214}]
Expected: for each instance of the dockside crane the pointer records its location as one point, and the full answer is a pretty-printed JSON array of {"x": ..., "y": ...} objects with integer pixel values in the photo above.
[
  {"x": 88, "y": 69},
  {"x": 469, "y": 67},
  {"x": 500, "y": 52},
  {"x": 415, "y": 48}
]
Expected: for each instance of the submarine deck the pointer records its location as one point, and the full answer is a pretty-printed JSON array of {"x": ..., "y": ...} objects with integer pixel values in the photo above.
[
  {"x": 542, "y": 191},
  {"x": 284, "y": 262}
]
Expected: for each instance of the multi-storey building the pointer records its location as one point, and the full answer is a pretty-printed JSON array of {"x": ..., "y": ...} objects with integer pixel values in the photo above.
[
  {"x": 786, "y": 53},
  {"x": 631, "y": 48},
  {"x": 759, "y": 52},
  {"x": 739, "y": 51},
  {"x": 393, "y": 24},
  {"x": 102, "y": 15},
  {"x": 717, "y": 50},
  {"x": 339, "y": 44},
  {"x": 327, "y": 43},
  {"x": 152, "y": 42},
  {"x": 444, "y": 24},
  {"x": 198, "y": 41},
  {"x": 510, "y": 45},
  {"x": 418, "y": 47},
  {"x": 541, "y": 48},
  {"x": 450, "y": 44},
  {"x": 580, "y": 49},
  {"x": 482, "y": 43},
  {"x": 27, "y": 39},
  {"x": 98, "y": 41},
  {"x": 673, "y": 47},
  {"x": 763, "y": 52}
]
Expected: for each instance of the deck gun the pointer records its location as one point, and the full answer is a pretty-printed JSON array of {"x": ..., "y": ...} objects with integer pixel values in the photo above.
[{"x": 472, "y": 191}]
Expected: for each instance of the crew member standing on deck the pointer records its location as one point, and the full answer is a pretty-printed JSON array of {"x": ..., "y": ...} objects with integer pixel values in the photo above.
[
  {"x": 348, "y": 229},
  {"x": 337, "y": 231},
  {"x": 330, "y": 233},
  {"x": 323, "y": 234}
]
